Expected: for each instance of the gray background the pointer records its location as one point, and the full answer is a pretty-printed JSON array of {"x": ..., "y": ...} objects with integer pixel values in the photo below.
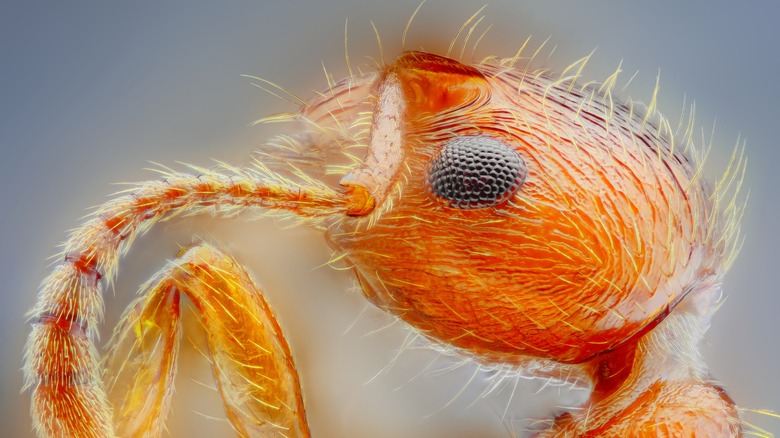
[{"x": 91, "y": 92}]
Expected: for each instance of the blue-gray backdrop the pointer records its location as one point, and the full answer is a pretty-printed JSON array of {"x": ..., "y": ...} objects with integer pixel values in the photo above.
[{"x": 91, "y": 92}]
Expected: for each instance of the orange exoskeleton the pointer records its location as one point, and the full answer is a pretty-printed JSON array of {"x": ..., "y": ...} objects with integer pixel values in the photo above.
[{"x": 516, "y": 217}]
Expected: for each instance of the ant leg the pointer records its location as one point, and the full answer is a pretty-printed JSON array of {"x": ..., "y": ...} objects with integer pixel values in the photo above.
[
  {"x": 61, "y": 364},
  {"x": 251, "y": 360},
  {"x": 142, "y": 363}
]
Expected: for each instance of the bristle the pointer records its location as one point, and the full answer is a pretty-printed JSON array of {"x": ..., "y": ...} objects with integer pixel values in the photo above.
[
  {"x": 409, "y": 25},
  {"x": 460, "y": 31}
]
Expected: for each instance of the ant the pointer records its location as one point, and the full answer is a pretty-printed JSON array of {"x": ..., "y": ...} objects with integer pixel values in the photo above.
[{"x": 515, "y": 216}]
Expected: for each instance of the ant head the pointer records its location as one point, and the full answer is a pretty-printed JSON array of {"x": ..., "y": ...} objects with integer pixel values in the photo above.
[{"x": 512, "y": 214}]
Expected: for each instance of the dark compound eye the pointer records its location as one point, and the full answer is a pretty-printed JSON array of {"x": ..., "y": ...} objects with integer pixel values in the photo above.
[{"x": 476, "y": 172}]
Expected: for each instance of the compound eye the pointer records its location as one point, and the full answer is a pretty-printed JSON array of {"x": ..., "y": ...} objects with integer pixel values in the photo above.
[{"x": 476, "y": 172}]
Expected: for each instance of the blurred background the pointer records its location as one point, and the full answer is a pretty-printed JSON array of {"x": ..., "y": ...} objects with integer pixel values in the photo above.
[{"x": 91, "y": 93}]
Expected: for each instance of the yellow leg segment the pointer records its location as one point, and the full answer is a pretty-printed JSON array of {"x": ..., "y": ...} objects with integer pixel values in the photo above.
[{"x": 251, "y": 360}]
